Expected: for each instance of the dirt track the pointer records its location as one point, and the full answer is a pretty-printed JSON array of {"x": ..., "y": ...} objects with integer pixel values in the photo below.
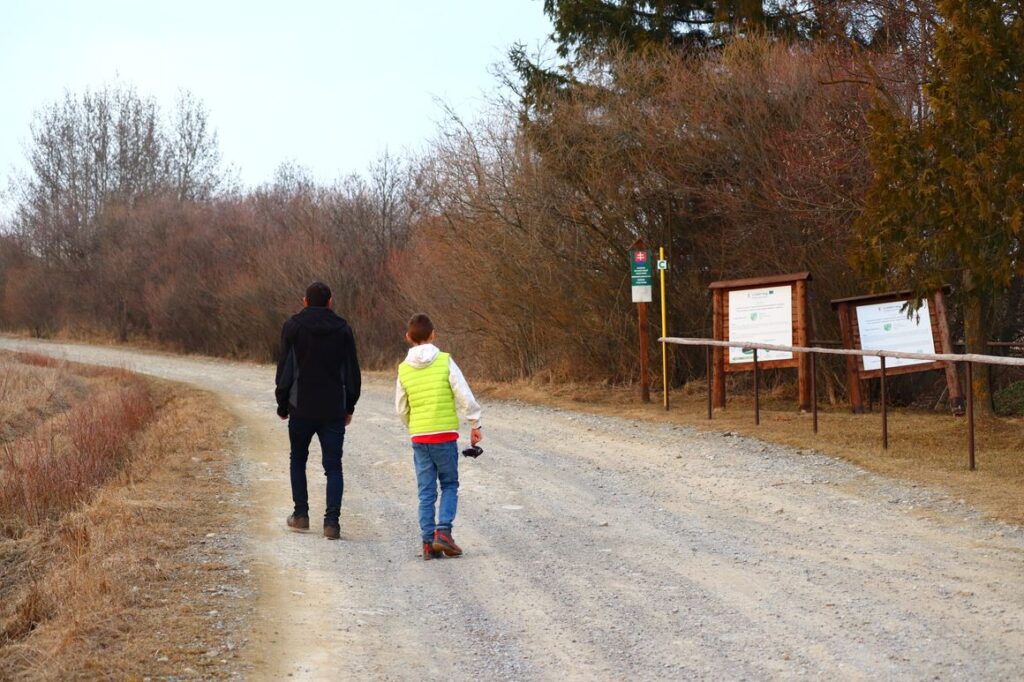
[{"x": 599, "y": 548}]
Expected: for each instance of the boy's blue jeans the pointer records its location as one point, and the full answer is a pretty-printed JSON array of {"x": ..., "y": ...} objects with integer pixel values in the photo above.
[{"x": 436, "y": 463}]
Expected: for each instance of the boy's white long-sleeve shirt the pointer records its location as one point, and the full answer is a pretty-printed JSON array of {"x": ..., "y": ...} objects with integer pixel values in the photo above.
[{"x": 422, "y": 356}]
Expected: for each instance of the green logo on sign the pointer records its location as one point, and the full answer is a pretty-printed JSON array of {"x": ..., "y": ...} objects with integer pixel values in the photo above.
[
  {"x": 887, "y": 326},
  {"x": 753, "y": 316}
]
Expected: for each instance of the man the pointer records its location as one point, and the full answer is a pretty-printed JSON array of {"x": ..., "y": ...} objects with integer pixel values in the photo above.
[{"x": 318, "y": 385}]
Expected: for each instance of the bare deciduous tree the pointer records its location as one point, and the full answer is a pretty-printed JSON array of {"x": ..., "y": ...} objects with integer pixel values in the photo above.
[{"x": 109, "y": 146}]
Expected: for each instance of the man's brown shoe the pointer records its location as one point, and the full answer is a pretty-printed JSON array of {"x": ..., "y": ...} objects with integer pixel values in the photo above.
[
  {"x": 332, "y": 532},
  {"x": 443, "y": 543},
  {"x": 298, "y": 522},
  {"x": 429, "y": 553}
]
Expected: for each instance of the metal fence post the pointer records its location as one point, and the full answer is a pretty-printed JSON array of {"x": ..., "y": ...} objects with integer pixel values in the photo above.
[
  {"x": 885, "y": 412},
  {"x": 710, "y": 374},
  {"x": 970, "y": 416},
  {"x": 814, "y": 390},
  {"x": 757, "y": 393}
]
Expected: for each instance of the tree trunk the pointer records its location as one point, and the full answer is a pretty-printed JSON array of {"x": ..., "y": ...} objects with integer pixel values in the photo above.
[
  {"x": 976, "y": 333},
  {"x": 1009, "y": 319}
]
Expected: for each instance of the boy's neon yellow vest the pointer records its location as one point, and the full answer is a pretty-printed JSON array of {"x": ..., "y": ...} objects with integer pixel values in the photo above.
[{"x": 431, "y": 401}]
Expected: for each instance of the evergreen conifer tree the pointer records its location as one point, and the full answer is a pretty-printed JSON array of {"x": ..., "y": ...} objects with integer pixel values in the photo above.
[{"x": 947, "y": 201}]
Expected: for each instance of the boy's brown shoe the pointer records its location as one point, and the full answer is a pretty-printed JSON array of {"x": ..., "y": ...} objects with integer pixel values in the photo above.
[
  {"x": 332, "y": 532},
  {"x": 443, "y": 542},
  {"x": 298, "y": 522},
  {"x": 429, "y": 553}
]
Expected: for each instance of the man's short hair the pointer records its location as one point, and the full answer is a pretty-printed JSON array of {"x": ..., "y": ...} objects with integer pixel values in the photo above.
[
  {"x": 420, "y": 328},
  {"x": 318, "y": 294}
]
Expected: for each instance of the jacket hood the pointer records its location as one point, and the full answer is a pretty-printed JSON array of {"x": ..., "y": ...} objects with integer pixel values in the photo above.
[
  {"x": 423, "y": 355},
  {"x": 320, "y": 321}
]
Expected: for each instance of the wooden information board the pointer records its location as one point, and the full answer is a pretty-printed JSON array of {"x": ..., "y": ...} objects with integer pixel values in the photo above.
[
  {"x": 880, "y": 322},
  {"x": 761, "y": 310}
]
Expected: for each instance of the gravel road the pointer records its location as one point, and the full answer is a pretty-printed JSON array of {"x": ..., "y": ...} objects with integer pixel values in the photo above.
[{"x": 602, "y": 548}]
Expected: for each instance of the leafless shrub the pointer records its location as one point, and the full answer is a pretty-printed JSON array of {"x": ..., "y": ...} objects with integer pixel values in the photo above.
[
  {"x": 219, "y": 277},
  {"x": 56, "y": 468}
]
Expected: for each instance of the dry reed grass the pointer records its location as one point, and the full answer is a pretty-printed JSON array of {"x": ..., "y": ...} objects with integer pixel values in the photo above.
[
  {"x": 924, "y": 447},
  {"x": 128, "y": 582},
  {"x": 59, "y": 465},
  {"x": 33, "y": 388}
]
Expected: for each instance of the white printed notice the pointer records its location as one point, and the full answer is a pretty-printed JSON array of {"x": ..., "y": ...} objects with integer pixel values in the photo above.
[
  {"x": 761, "y": 316},
  {"x": 885, "y": 326}
]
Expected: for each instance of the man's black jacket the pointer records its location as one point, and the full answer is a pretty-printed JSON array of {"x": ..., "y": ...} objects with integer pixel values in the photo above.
[{"x": 318, "y": 373}]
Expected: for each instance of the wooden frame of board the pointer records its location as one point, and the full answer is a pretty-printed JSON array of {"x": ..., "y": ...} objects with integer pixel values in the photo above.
[
  {"x": 849, "y": 328},
  {"x": 801, "y": 335}
]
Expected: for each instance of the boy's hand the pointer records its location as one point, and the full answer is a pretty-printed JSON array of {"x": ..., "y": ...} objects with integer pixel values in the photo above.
[{"x": 475, "y": 436}]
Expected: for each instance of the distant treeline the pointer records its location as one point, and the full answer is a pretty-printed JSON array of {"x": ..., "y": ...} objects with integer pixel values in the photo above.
[{"x": 748, "y": 155}]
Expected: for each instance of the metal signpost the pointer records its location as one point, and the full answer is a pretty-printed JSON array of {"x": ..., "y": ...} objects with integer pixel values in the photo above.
[
  {"x": 662, "y": 267},
  {"x": 641, "y": 276}
]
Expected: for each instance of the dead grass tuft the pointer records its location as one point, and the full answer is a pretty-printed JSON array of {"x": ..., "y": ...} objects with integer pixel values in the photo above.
[
  {"x": 32, "y": 609},
  {"x": 37, "y": 360},
  {"x": 30, "y": 394}
]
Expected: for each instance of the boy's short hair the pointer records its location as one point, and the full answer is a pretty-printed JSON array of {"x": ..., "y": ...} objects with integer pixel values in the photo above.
[
  {"x": 420, "y": 328},
  {"x": 318, "y": 294}
]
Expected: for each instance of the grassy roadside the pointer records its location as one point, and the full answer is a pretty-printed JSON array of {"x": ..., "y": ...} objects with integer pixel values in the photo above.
[
  {"x": 924, "y": 447},
  {"x": 138, "y": 574}
]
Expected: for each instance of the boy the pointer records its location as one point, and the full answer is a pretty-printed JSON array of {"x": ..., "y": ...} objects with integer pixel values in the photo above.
[{"x": 429, "y": 386}]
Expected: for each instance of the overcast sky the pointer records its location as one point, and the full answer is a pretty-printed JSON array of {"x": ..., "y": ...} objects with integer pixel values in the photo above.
[{"x": 329, "y": 85}]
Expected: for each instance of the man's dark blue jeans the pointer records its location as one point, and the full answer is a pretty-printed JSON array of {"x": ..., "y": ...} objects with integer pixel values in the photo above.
[{"x": 331, "y": 433}]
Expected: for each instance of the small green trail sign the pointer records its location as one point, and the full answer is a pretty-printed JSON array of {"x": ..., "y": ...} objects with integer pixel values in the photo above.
[{"x": 641, "y": 275}]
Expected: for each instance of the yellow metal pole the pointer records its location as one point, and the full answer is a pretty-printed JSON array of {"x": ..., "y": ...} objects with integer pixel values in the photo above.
[{"x": 664, "y": 330}]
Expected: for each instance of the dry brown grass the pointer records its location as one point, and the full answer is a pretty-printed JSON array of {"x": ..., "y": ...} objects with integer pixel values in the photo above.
[
  {"x": 61, "y": 463},
  {"x": 33, "y": 388},
  {"x": 143, "y": 579},
  {"x": 925, "y": 447}
]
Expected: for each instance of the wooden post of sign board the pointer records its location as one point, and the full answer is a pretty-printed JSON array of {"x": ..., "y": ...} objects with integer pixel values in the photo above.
[
  {"x": 645, "y": 358},
  {"x": 801, "y": 338},
  {"x": 956, "y": 398},
  {"x": 717, "y": 374},
  {"x": 853, "y": 386}
]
